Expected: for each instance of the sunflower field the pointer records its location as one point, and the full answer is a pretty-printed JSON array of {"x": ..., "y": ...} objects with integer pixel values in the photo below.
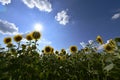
[{"x": 27, "y": 62}]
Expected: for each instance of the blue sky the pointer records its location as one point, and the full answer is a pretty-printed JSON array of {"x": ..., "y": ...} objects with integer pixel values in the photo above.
[{"x": 62, "y": 22}]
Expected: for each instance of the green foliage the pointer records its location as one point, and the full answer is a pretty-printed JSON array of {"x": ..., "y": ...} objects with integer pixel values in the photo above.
[
  {"x": 26, "y": 62},
  {"x": 79, "y": 66}
]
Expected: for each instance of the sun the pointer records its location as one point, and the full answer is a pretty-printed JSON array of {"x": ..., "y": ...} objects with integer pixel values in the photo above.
[{"x": 38, "y": 27}]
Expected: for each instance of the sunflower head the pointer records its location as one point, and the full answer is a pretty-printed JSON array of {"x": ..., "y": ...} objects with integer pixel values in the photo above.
[
  {"x": 7, "y": 40},
  {"x": 95, "y": 48},
  {"x": 112, "y": 43},
  {"x": 99, "y": 40},
  {"x": 59, "y": 57},
  {"x": 86, "y": 49},
  {"x": 29, "y": 37},
  {"x": 12, "y": 50},
  {"x": 36, "y": 35},
  {"x": 62, "y": 52},
  {"x": 108, "y": 48},
  {"x": 73, "y": 49},
  {"x": 52, "y": 50},
  {"x": 9, "y": 45},
  {"x": 23, "y": 46},
  {"x": 56, "y": 52},
  {"x": 47, "y": 50},
  {"x": 42, "y": 51},
  {"x": 18, "y": 38}
]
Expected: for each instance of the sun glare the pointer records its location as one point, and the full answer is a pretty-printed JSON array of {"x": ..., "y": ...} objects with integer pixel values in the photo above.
[{"x": 38, "y": 27}]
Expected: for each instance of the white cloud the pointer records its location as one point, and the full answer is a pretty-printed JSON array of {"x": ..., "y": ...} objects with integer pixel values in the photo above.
[
  {"x": 100, "y": 47},
  {"x": 24, "y": 40},
  {"x": 116, "y": 16},
  {"x": 44, "y": 42},
  {"x": 92, "y": 44},
  {"x": 4, "y": 2},
  {"x": 42, "y": 5},
  {"x": 90, "y": 41},
  {"x": 62, "y": 17},
  {"x": 83, "y": 44},
  {"x": 7, "y": 27}
]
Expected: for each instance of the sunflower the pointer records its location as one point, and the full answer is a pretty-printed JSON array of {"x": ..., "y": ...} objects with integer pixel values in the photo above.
[
  {"x": 18, "y": 38},
  {"x": 112, "y": 43},
  {"x": 23, "y": 46},
  {"x": 52, "y": 51},
  {"x": 59, "y": 57},
  {"x": 108, "y": 48},
  {"x": 56, "y": 52},
  {"x": 86, "y": 49},
  {"x": 62, "y": 50},
  {"x": 36, "y": 35},
  {"x": 9, "y": 45},
  {"x": 42, "y": 51},
  {"x": 12, "y": 50},
  {"x": 73, "y": 49},
  {"x": 7, "y": 40},
  {"x": 29, "y": 37},
  {"x": 47, "y": 50},
  {"x": 99, "y": 39}
]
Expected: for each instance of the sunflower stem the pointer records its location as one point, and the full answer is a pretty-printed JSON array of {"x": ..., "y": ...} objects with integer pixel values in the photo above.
[{"x": 18, "y": 46}]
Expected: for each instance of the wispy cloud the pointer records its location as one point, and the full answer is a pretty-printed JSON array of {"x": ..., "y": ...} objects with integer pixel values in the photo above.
[
  {"x": 44, "y": 42},
  {"x": 4, "y": 2},
  {"x": 100, "y": 47},
  {"x": 24, "y": 34},
  {"x": 42, "y": 5},
  {"x": 7, "y": 27},
  {"x": 116, "y": 16},
  {"x": 62, "y": 17},
  {"x": 92, "y": 44},
  {"x": 83, "y": 44},
  {"x": 90, "y": 41}
]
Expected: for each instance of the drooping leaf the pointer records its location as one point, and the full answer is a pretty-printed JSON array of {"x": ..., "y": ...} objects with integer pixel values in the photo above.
[{"x": 109, "y": 67}]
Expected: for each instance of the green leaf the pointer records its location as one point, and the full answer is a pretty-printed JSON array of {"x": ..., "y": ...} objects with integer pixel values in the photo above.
[
  {"x": 41, "y": 75},
  {"x": 117, "y": 39},
  {"x": 109, "y": 59},
  {"x": 109, "y": 67},
  {"x": 117, "y": 55}
]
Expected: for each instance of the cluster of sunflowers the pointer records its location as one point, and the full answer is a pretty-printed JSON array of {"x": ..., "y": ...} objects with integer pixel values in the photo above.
[
  {"x": 17, "y": 38},
  {"x": 108, "y": 47},
  {"x": 27, "y": 62},
  {"x": 33, "y": 36}
]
